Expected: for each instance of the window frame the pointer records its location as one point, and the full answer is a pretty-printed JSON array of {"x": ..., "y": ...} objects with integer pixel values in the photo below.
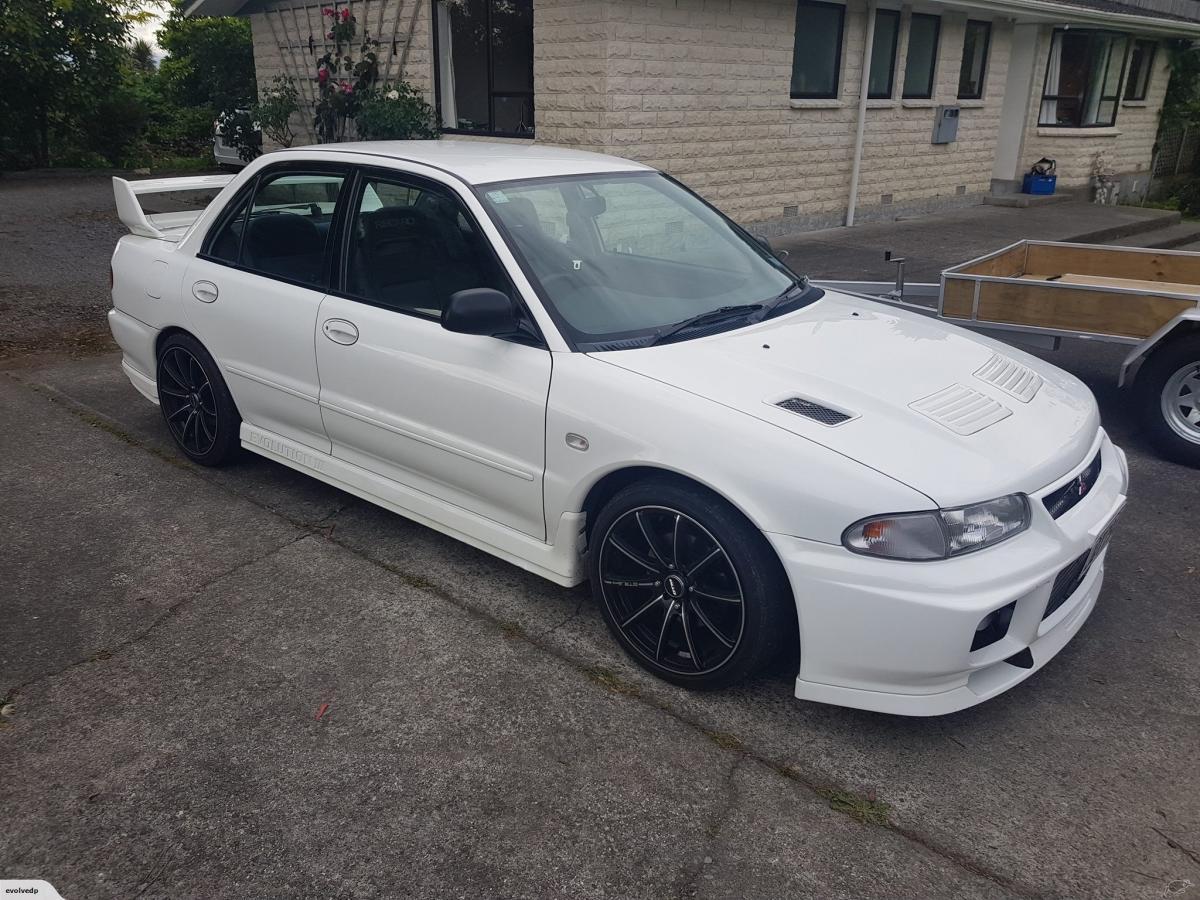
[
  {"x": 1149, "y": 60},
  {"x": 987, "y": 50},
  {"x": 837, "y": 58},
  {"x": 244, "y": 199},
  {"x": 933, "y": 59},
  {"x": 491, "y": 93},
  {"x": 1115, "y": 99},
  {"x": 360, "y": 177},
  {"x": 895, "y": 52}
]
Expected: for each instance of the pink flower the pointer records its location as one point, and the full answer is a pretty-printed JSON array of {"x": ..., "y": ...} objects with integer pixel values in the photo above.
[
  {"x": 322, "y": 75},
  {"x": 329, "y": 35},
  {"x": 346, "y": 14},
  {"x": 326, "y": 11}
]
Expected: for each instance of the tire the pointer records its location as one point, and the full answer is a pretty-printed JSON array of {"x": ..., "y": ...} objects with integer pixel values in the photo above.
[
  {"x": 1167, "y": 394},
  {"x": 195, "y": 403},
  {"x": 666, "y": 561}
]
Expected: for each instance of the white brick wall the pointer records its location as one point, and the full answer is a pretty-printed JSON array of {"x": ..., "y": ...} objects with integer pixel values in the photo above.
[
  {"x": 1127, "y": 148},
  {"x": 700, "y": 88}
]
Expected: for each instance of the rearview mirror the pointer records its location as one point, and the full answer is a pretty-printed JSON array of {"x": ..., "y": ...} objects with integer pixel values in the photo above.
[{"x": 484, "y": 311}]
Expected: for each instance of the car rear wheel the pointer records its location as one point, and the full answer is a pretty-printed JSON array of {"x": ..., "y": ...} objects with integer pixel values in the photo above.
[
  {"x": 688, "y": 586},
  {"x": 1168, "y": 395},
  {"x": 195, "y": 402}
]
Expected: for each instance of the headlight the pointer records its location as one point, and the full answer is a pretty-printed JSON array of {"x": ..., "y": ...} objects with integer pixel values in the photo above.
[{"x": 942, "y": 533}]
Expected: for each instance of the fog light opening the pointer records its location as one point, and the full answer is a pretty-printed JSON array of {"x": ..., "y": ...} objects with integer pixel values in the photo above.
[{"x": 993, "y": 626}]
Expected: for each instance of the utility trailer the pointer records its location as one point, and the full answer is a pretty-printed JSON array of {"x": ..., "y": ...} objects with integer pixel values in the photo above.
[{"x": 1039, "y": 292}]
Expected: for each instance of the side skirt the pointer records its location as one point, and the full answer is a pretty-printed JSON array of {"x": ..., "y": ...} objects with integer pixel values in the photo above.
[{"x": 559, "y": 562}]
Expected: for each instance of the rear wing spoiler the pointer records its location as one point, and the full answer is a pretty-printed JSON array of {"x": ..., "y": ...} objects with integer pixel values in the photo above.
[{"x": 163, "y": 226}]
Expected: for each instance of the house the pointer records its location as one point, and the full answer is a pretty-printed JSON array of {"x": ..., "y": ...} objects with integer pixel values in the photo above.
[{"x": 766, "y": 106}]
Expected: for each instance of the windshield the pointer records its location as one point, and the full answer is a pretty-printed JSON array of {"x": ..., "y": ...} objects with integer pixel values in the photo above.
[{"x": 622, "y": 257}]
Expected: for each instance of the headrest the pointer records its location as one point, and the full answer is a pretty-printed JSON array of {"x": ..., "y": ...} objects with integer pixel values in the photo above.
[
  {"x": 396, "y": 222},
  {"x": 283, "y": 234},
  {"x": 519, "y": 212}
]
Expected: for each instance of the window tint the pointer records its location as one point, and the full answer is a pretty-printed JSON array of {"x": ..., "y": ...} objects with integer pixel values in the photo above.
[
  {"x": 817, "y": 53},
  {"x": 921, "y": 59},
  {"x": 412, "y": 247},
  {"x": 974, "y": 60},
  {"x": 224, "y": 246},
  {"x": 1083, "y": 78},
  {"x": 286, "y": 229},
  {"x": 1141, "y": 62},
  {"x": 883, "y": 54}
]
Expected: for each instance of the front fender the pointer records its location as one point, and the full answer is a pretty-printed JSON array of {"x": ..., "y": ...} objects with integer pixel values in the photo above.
[
  {"x": 1184, "y": 320},
  {"x": 782, "y": 482}
]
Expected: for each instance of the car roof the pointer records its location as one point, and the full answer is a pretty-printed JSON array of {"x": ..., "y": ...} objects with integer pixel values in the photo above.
[{"x": 482, "y": 162}]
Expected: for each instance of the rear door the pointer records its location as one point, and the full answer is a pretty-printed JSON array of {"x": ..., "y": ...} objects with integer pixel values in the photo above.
[
  {"x": 459, "y": 417},
  {"x": 253, "y": 292}
]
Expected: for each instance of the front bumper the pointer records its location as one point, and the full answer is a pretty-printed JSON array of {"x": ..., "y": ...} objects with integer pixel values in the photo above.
[{"x": 896, "y": 636}]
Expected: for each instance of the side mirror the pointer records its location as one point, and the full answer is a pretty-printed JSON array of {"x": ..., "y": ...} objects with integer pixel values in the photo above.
[
  {"x": 483, "y": 311},
  {"x": 778, "y": 254}
]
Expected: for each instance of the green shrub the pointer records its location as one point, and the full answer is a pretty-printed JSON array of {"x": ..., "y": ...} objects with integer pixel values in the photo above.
[{"x": 395, "y": 113}]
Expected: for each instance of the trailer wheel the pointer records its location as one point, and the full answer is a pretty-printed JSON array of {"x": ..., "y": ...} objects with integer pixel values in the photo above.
[{"x": 1167, "y": 393}]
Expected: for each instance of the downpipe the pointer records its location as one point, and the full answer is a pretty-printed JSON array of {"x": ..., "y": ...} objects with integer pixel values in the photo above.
[{"x": 863, "y": 89}]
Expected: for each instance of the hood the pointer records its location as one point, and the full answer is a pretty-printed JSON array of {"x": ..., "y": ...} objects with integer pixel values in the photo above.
[{"x": 956, "y": 416}]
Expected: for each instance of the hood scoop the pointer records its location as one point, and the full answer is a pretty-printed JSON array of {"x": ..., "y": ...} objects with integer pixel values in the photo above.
[
  {"x": 962, "y": 409},
  {"x": 1011, "y": 377},
  {"x": 818, "y": 412}
]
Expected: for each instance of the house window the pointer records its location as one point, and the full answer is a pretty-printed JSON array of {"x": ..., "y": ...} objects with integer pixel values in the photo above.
[
  {"x": 921, "y": 60},
  {"x": 883, "y": 54},
  {"x": 1141, "y": 63},
  {"x": 1083, "y": 79},
  {"x": 485, "y": 66},
  {"x": 974, "y": 60},
  {"x": 817, "y": 57}
]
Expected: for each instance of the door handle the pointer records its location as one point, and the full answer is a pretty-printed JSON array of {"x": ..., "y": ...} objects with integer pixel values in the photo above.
[
  {"x": 204, "y": 291},
  {"x": 340, "y": 331}
]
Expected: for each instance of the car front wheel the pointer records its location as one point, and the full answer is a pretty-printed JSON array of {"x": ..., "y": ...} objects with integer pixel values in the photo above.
[{"x": 688, "y": 586}]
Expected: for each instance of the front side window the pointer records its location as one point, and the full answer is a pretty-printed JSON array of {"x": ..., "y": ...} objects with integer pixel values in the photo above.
[
  {"x": 921, "y": 60},
  {"x": 1141, "y": 62},
  {"x": 619, "y": 257},
  {"x": 485, "y": 65},
  {"x": 974, "y": 60},
  {"x": 1083, "y": 79},
  {"x": 817, "y": 52},
  {"x": 412, "y": 246},
  {"x": 883, "y": 54},
  {"x": 284, "y": 230}
]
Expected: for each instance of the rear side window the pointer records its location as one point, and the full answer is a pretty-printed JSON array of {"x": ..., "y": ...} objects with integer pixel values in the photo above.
[{"x": 283, "y": 231}]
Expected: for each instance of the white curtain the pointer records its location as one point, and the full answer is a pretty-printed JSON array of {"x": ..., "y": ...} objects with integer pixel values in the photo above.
[
  {"x": 1049, "y": 114},
  {"x": 446, "y": 66}
]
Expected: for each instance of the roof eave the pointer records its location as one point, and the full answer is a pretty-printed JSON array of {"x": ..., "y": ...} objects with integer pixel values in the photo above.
[{"x": 1061, "y": 13}]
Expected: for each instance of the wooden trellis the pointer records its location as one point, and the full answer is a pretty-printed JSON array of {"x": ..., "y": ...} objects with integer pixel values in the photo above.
[{"x": 299, "y": 30}]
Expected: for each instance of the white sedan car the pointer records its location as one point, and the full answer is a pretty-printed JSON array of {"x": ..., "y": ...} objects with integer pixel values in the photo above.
[{"x": 572, "y": 362}]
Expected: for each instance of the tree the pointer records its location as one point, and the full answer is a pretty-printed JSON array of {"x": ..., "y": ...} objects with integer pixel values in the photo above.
[
  {"x": 209, "y": 61},
  {"x": 142, "y": 55},
  {"x": 66, "y": 56}
]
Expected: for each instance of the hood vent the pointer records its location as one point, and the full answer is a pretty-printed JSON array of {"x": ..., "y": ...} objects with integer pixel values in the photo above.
[
  {"x": 961, "y": 409},
  {"x": 814, "y": 411},
  {"x": 1011, "y": 377}
]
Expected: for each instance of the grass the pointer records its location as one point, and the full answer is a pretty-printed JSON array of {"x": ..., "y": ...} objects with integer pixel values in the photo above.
[{"x": 866, "y": 810}]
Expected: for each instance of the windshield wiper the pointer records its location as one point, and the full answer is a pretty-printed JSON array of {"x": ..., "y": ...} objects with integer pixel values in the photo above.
[
  {"x": 705, "y": 318},
  {"x": 790, "y": 293}
]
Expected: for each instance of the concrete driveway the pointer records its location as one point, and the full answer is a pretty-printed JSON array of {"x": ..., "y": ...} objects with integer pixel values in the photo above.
[{"x": 244, "y": 683}]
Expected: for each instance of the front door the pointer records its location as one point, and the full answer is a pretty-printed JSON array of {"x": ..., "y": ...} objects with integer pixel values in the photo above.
[
  {"x": 252, "y": 296},
  {"x": 459, "y": 417}
]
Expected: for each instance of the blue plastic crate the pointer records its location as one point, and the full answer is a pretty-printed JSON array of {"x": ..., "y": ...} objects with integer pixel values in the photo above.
[{"x": 1038, "y": 184}]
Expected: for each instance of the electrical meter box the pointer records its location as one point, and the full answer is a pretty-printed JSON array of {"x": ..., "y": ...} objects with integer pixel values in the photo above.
[{"x": 945, "y": 126}]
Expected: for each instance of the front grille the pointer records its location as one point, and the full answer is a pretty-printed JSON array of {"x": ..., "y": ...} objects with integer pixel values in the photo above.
[
  {"x": 1067, "y": 496},
  {"x": 1067, "y": 583},
  {"x": 814, "y": 411}
]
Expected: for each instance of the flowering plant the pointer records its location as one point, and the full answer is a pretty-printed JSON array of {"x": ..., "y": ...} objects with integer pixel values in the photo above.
[
  {"x": 275, "y": 108},
  {"x": 395, "y": 112},
  {"x": 342, "y": 26}
]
